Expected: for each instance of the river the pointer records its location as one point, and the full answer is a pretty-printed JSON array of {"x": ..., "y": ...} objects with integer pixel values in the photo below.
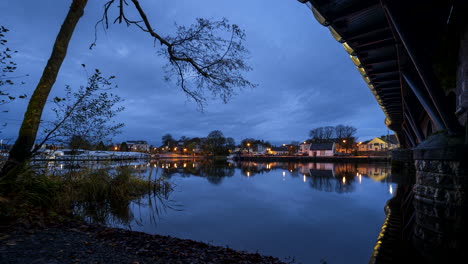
[{"x": 309, "y": 212}]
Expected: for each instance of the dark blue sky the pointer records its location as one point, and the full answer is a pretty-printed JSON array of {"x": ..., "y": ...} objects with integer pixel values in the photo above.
[{"x": 305, "y": 78}]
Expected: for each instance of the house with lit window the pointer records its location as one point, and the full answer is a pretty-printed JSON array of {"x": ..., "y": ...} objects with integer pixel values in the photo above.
[
  {"x": 279, "y": 151},
  {"x": 138, "y": 145},
  {"x": 322, "y": 149},
  {"x": 304, "y": 148},
  {"x": 379, "y": 144}
]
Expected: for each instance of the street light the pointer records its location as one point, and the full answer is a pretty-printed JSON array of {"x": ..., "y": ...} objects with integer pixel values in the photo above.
[{"x": 248, "y": 148}]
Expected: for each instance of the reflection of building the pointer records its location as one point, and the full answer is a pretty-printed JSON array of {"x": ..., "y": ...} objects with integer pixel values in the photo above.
[{"x": 376, "y": 173}]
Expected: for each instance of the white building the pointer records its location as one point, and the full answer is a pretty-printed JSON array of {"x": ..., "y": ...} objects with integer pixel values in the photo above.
[
  {"x": 322, "y": 149},
  {"x": 138, "y": 145}
]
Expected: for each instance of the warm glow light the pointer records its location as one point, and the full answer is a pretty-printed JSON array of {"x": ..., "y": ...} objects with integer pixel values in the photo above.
[
  {"x": 305, "y": 142},
  {"x": 344, "y": 180},
  {"x": 185, "y": 150},
  {"x": 304, "y": 178},
  {"x": 115, "y": 148},
  {"x": 284, "y": 173},
  {"x": 248, "y": 174},
  {"x": 344, "y": 141},
  {"x": 175, "y": 165},
  {"x": 391, "y": 189},
  {"x": 360, "y": 179},
  {"x": 185, "y": 165},
  {"x": 360, "y": 142},
  {"x": 284, "y": 145},
  {"x": 175, "y": 149}
]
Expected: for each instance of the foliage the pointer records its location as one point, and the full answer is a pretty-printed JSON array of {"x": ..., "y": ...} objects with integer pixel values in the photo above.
[
  {"x": 79, "y": 142},
  {"x": 168, "y": 140},
  {"x": 85, "y": 117},
  {"x": 95, "y": 194},
  {"x": 7, "y": 66},
  {"x": 215, "y": 143},
  {"x": 124, "y": 146},
  {"x": 101, "y": 146}
]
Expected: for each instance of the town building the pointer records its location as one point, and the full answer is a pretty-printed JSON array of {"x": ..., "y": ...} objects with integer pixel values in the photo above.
[
  {"x": 379, "y": 144},
  {"x": 138, "y": 145},
  {"x": 322, "y": 149}
]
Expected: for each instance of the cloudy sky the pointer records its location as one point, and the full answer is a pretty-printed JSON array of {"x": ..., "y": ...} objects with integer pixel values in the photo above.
[{"x": 305, "y": 78}]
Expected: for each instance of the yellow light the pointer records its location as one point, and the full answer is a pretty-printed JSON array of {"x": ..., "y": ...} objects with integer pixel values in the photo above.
[
  {"x": 175, "y": 149},
  {"x": 305, "y": 142},
  {"x": 360, "y": 179},
  {"x": 115, "y": 148},
  {"x": 284, "y": 145},
  {"x": 344, "y": 180},
  {"x": 175, "y": 165},
  {"x": 304, "y": 179},
  {"x": 248, "y": 174},
  {"x": 185, "y": 150},
  {"x": 185, "y": 165}
]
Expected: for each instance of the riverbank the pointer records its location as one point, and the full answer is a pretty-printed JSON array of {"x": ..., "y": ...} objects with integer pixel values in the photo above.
[
  {"x": 76, "y": 242},
  {"x": 300, "y": 159}
]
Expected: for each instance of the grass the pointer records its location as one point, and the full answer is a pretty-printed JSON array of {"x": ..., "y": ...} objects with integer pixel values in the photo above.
[{"x": 93, "y": 194}]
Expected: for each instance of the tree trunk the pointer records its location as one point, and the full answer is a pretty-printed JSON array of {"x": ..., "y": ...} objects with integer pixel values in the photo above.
[{"x": 21, "y": 150}]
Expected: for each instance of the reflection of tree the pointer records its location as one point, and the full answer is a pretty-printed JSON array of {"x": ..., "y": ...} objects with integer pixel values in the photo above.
[
  {"x": 213, "y": 170},
  {"x": 321, "y": 180}
]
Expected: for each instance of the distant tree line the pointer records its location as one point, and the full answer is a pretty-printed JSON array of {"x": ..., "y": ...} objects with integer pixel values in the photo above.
[
  {"x": 344, "y": 135},
  {"x": 214, "y": 144}
]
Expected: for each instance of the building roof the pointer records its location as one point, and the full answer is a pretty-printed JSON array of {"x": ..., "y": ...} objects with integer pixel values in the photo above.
[
  {"x": 322, "y": 146},
  {"x": 279, "y": 149},
  {"x": 136, "y": 142}
]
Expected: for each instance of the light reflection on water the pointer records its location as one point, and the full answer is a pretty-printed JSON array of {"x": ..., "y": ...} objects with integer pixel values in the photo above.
[{"x": 309, "y": 211}]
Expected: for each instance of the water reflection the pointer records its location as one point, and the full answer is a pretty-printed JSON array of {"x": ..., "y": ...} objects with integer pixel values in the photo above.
[{"x": 273, "y": 207}]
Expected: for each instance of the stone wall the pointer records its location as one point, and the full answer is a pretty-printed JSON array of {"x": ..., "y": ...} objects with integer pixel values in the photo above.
[
  {"x": 462, "y": 80},
  {"x": 440, "y": 198}
]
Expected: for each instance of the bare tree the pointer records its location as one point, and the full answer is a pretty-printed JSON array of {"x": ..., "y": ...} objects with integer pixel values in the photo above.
[
  {"x": 328, "y": 133},
  {"x": 200, "y": 58}
]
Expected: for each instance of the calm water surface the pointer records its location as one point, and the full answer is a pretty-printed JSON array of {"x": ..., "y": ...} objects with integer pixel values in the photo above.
[{"x": 307, "y": 212}]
